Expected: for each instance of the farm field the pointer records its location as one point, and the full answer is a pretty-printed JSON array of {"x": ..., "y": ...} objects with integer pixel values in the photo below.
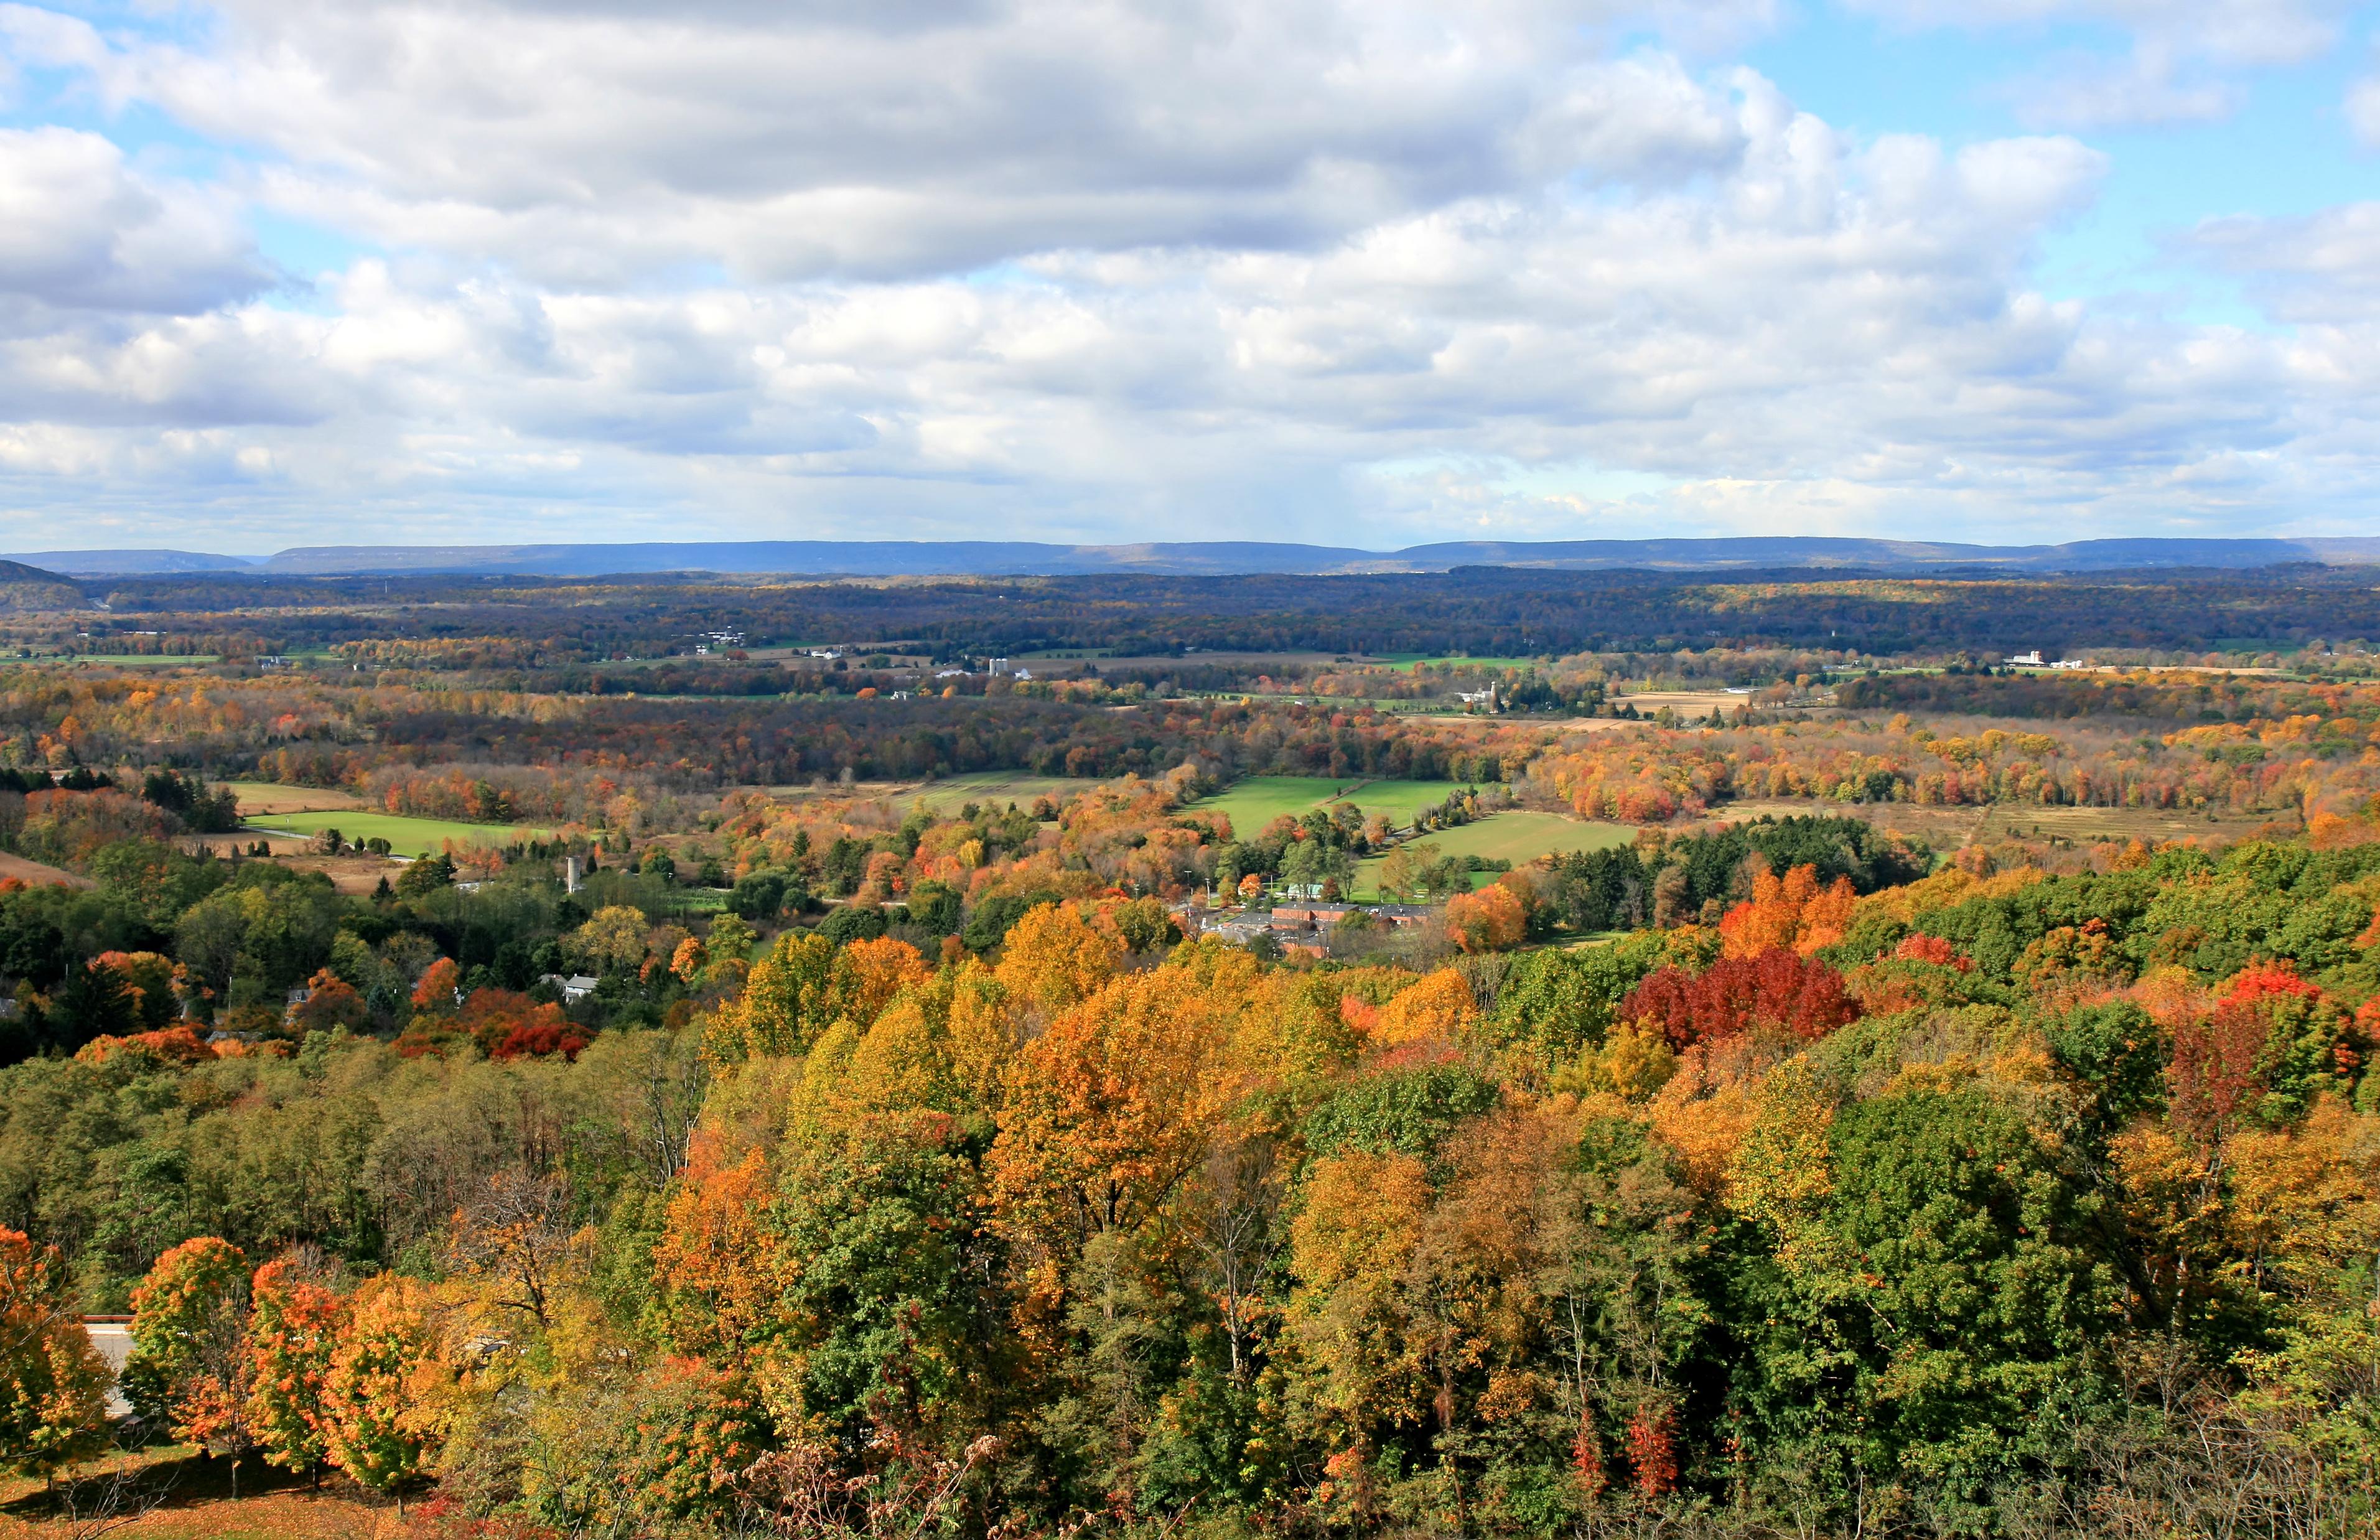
[
  {"x": 1518, "y": 836},
  {"x": 1947, "y": 829},
  {"x": 1258, "y": 800},
  {"x": 265, "y": 797},
  {"x": 997, "y": 787},
  {"x": 1409, "y": 662},
  {"x": 404, "y": 836},
  {"x": 1694, "y": 704}
]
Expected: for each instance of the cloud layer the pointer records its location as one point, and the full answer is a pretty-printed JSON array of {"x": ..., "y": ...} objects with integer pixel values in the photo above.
[{"x": 1304, "y": 268}]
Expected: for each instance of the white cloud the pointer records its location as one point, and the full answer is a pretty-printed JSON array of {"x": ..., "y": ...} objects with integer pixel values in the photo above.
[
  {"x": 2363, "y": 111},
  {"x": 79, "y": 228},
  {"x": 1083, "y": 268},
  {"x": 2315, "y": 269},
  {"x": 595, "y": 143}
]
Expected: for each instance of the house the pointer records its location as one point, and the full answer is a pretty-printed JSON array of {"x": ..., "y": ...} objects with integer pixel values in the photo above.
[
  {"x": 1309, "y": 916},
  {"x": 575, "y": 988},
  {"x": 1235, "y": 925}
]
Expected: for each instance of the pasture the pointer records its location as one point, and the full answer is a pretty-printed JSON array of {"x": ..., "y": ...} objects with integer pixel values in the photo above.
[
  {"x": 992, "y": 788},
  {"x": 1518, "y": 836},
  {"x": 1412, "y": 662},
  {"x": 1255, "y": 801},
  {"x": 265, "y": 797},
  {"x": 404, "y": 836}
]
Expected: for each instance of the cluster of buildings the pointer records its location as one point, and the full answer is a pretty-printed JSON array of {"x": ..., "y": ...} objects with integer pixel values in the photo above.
[{"x": 1300, "y": 925}]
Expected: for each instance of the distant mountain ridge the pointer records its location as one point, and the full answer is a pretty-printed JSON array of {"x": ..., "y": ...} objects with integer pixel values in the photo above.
[{"x": 1219, "y": 558}]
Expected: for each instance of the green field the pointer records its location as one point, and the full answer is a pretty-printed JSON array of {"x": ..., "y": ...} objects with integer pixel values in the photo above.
[
  {"x": 1411, "y": 661},
  {"x": 1258, "y": 800},
  {"x": 1517, "y": 836},
  {"x": 993, "y": 788},
  {"x": 404, "y": 836}
]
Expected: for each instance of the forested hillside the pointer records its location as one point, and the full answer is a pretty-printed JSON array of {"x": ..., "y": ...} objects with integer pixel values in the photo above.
[{"x": 2017, "y": 1203}]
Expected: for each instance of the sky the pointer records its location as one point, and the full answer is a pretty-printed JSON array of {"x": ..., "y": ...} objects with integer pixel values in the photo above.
[{"x": 1362, "y": 273}]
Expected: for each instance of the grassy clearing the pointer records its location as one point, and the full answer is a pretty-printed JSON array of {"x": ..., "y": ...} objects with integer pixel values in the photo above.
[
  {"x": 264, "y": 796},
  {"x": 404, "y": 836},
  {"x": 1258, "y": 800},
  {"x": 1411, "y": 661},
  {"x": 997, "y": 788},
  {"x": 2084, "y": 825},
  {"x": 1517, "y": 836}
]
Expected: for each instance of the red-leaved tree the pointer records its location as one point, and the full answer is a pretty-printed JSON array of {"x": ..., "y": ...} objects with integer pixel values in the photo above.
[{"x": 1737, "y": 994}]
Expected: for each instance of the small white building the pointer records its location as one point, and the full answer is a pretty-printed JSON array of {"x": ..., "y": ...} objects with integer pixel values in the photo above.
[{"x": 575, "y": 988}]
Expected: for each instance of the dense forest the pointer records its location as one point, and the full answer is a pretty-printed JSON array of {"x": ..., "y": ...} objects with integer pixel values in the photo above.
[
  {"x": 1487, "y": 612},
  {"x": 2017, "y": 1203}
]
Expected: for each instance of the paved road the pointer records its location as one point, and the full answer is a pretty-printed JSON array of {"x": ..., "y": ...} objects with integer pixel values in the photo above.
[{"x": 114, "y": 1340}]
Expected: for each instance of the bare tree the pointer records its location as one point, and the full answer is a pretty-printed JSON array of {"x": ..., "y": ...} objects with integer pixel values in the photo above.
[{"x": 514, "y": 1232}]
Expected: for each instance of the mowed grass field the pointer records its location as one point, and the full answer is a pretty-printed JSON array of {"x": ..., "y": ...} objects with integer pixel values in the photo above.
[
  {"x": 993, "y": 788},
  {"x": 1517, "y": 836},
  {"x": 1258, "y": 800},
  {"x": 1409, "y": 662},
  {"x": 267, "y": 796},
  {"x": 404, "y": 836}
]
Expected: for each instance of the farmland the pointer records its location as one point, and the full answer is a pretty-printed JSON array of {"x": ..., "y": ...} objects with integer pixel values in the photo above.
[
  {"x": 266, "y": 797},
  {"x": 993, "y": 788},
  {"x": 1517, "y": 836},
  {"x": 404, "y": 836},
  {"x": 1255, "y": 801}
]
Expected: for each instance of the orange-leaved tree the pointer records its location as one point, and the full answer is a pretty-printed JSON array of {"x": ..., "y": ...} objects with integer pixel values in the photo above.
[
  {"x": 1439, "y": 1005},
  {"x": 437, "y": 992},
  {"x": 1794, "y": 913},
  {"x": 53, "y": 1383},
  {"x": 385, "y": 1399},
  {"x": 294, "y": 1324},
  {"x": 1108, "y": 1110},
  {"x": 331, "y": 1003},
  {"x": 189, "y": 1364},
  {"x": 867, "y": 976},
  {"x": 713, "y": 1261},
  {"x": 1053, "y": 958},
  {"x": 1493, "y": 919}
]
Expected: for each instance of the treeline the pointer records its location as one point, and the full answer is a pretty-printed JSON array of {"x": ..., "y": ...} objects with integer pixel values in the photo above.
[
  {"x": 2305, "y": 765},
  {"x": 1487, "y": 611},
  {"x": 340, "y": 730},
  {"x": 2169, "y": 698}
]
